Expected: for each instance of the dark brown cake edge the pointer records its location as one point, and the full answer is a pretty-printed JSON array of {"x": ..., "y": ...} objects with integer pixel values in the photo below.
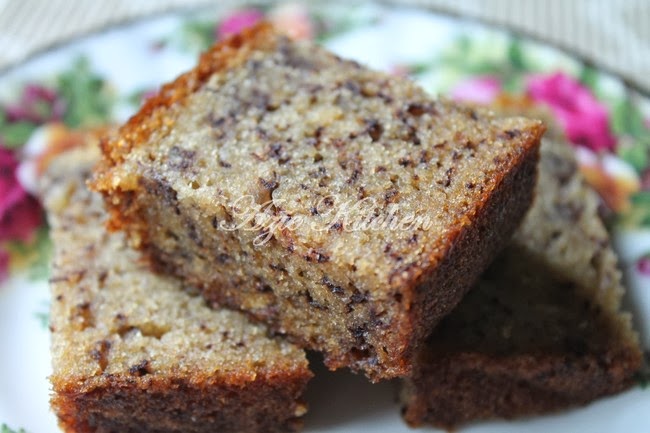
[
  {"x": 454, "y": 389},
  {"x": 470, "y": 249},
  {"x": 272, "y": 402}
]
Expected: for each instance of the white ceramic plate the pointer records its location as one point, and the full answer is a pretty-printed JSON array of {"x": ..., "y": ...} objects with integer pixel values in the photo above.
[{"x": 119, "y": 65}]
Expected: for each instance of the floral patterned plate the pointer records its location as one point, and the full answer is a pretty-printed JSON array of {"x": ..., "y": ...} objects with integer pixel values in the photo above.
[{"x": 103, "y": 78}]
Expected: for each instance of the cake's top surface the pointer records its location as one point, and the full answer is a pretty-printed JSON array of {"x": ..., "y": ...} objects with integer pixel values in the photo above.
[
  {"x": 111, "y": 317},
  {"x": 322, "y": 152},
  {"x": 556, "y": 288}
]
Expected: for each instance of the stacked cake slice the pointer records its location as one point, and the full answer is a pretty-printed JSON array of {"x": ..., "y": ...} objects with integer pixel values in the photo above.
[{"x": 135, "y": 352}]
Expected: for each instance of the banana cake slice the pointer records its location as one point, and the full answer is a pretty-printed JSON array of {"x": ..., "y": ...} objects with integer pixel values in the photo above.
[
  {"x": 543, "y": 329},
  {"x": 341, "y": 206},
  {"x": 134, "y": 352}
]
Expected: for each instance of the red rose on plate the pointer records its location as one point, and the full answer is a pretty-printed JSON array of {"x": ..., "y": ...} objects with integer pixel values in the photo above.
[
  {"x": 585, "y": 120},
  {"x": 643, "y": 265},
  {"x": 20, "y": 213},
  {"x": 37, "y": 105},
  {"x": 4, "y": 265}
]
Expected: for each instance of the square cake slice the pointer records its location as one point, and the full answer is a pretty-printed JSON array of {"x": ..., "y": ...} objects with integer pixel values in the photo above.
[
  {"x": 342, "y": 206},
  {"x": 135, "y": 352},
  {"x": 543, "y": 330}
]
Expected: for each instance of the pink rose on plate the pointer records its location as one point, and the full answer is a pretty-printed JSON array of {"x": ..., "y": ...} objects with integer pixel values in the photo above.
[
  {"x": 238, "y": 21},
  {"x": 584, "y": 119},
  {"x": 20, "y": 213},
  {"x": 37, "y": 104},
  {"x": 643, "y": 265},
  {"x": 481, "y": 90}
]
